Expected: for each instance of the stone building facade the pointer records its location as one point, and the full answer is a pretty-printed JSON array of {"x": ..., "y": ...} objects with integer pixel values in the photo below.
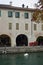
[{"x": 16, "y": 27}]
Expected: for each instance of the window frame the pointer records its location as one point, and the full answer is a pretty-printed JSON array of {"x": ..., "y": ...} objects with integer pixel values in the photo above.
[
  {"x": 0, "y": 13},
  {"x": 10, "y": 26},
  {"x": 42, "y": 27},
  {"x": 17, "y": 14},
  {"x": 35, "y": 27},
  {"x": 17, "y": 26},
  {"x": 10, "y": 14},
  {"x": 26, "y": 26},
  {"x": 26, "y": 15}
]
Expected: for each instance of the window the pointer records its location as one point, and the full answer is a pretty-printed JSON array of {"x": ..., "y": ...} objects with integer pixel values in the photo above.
[
  {"x": 35, "y": 26},
  {"x": 42, "y": 26},
  {"x": 26, "y": 15},
  {"x": 17, "y": 26},
  {"x": 10, "y": 26},
  {"x": 10, "y": 14},
  {"x": 17, "y": 14},
  {"x": 0, "y": 13},
  {"x": 26, "y": 26}
]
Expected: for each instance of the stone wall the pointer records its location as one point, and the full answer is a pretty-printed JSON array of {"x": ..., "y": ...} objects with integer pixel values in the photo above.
[{"x": 11, "y": 50}]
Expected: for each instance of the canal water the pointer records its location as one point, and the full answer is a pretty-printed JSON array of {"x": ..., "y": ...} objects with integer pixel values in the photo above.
[{"x": 20, "y": 59}]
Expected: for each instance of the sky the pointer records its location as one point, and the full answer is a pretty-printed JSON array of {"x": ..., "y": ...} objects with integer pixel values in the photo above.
[{"x": 18, "y": 3}]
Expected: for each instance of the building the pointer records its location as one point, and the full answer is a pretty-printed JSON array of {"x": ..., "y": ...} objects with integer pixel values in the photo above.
[{"x": 16, "y": 27}]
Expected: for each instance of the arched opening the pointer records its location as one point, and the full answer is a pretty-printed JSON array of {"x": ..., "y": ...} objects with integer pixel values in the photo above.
[
  {"x": 21, "y": 40},
  {"x": 5, "y": 40},
  {"x": 40, "y": 40}
]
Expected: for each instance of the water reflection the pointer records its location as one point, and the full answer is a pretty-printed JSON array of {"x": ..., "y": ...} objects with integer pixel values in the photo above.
[{"x": 20, "y": 59}]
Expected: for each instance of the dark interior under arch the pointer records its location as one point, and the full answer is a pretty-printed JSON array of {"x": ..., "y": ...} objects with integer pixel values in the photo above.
[
  {"x": 40, "y": 40},
  {"x": 5, "y": 40},
  {"x": 21, "y": 40}
]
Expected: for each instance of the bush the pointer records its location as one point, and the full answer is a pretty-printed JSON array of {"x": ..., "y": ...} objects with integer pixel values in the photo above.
[{"x": 35, "y": 43}]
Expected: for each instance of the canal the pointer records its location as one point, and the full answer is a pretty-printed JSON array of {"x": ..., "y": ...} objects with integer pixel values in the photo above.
[{"x": 20, "y": 59}]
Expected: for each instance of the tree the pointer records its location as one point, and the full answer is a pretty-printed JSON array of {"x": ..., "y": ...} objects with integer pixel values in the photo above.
[
  {"x": 40, "y": 4},
  {"x": 38, "y": 13}
]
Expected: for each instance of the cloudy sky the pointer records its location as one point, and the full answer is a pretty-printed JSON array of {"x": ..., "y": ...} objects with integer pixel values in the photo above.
[{"x": 19, "y": 3}]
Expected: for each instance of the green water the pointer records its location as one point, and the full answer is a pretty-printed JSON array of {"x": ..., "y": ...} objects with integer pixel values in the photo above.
[{"x": 20, "y": 59}]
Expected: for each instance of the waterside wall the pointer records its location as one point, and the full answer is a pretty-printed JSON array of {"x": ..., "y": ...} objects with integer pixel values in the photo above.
[{"x": 12, "y": 50}]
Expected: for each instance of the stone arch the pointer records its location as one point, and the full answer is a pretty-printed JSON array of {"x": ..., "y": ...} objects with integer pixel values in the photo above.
[
  {"x": 40, "y": 40},
  {"x": 5, "y": 40},
  {"x": 21, "y": 40}
]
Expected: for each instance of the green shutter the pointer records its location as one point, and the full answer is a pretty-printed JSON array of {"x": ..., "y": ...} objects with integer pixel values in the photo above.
[
  {"x": 10, "y": 14},
  {"x": 0, "y": 13},
  {"x": 26, "y": 15},
  {"x": 17, "y": 14}
]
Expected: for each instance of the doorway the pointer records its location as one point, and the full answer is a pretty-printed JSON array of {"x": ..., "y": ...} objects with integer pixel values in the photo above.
[
  {"x": 21, "y": 40},
  {"x": 5, "y": 40},
  {"x": 40, "y": 40}
]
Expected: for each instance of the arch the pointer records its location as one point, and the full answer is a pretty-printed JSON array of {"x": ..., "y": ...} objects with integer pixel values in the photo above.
[
  {"x": 40, "y": 40},
  {"x": 21, "y": 40},
  {"x": 5, "y": 40}
]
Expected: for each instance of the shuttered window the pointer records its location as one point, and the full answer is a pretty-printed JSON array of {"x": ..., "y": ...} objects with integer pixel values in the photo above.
[
  {"x": 17, "y": 26},
  {"x": 35, "y": 27},
  {"x": 42, "y": 26},
  {"x": 10, "y": 26},
  {"x": 26, "y": 26},
  {"x": 0, "y": 13},
  {"x": 10, "y": 14},
  {"x": 26, "y": 15},
  {"x": 17, "y": 14}
]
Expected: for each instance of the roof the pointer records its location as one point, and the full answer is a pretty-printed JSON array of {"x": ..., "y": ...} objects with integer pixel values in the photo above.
[{"x": 4, "y": 6}]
